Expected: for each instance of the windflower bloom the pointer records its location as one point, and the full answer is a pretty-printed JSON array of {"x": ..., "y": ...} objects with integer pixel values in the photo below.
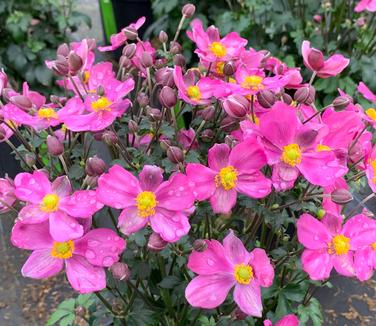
[
  {"x": 54, "y": 202},
  {"x": 148, "y": 199},
  {"x": 294, "y": 149},
  {"x": 369, "y": 114},
  {"x": 119, "y": 39},
  {"x": 222, "y": 267},
  {"x": 314, "y": 61},
  {"x": 371, "y": 170},
  {"x": 329, "y": 244},
  {"x": 230, "y": 171},
  {"x": 84, "y": 258},
  {"x": 369, "y": 5},
  {"x": 7, "y": 197},
  {"x": 288, "y": 320}
]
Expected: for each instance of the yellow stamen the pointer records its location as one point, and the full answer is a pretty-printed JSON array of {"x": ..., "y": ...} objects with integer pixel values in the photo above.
[
  {"x": 371, "y": 113},
  {"x": 219, "y": 67},
  {"x": 227, "y": 178},
  {"x": 194, "y": 93},
  {"x": 253, "y": 82},
  {"x": 322, "y": 148},
  {"x": 146, "y": 203},
  {"x": 255, "y": 119},
  {"x": 339, "y": 245},
  {"x": 291, "y": 154},
  {"x": 50, "y": 203},
  {"x": 101, "y": 104},
  {"x": 243, "y": 273},
  {"x": 218, "y": 49},
  {"x": 62, "y": 250},
  {"x": 47, "y": 113},
  {"x": 86, "y": 76},
  {"x": 373, "y": 165},
  {"x": 373, "y": 246}
]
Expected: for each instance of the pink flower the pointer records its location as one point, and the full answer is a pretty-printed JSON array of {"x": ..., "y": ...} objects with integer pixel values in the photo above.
[
  {"x": 148, "y": 199},
  {"x": 369, "y": 5},
  {"x": 292, "y": 148},
  {"x": 222, "y": 267},
  {"x": 5, "y": 131},
  {"x": 328, "y": 244},
  {"x": 288, "y": 320},
  {"x": 230, "y": 171},
  {"x": 210, "y": 46},
  {"x": 369, "y": 114},
  {"x": 314, "y": 60},
  {"x": 84, "y": 258},
  {"x": 371, "y": 170},
  {"x": 186, "y": 137},
  {"x": 119, "y": 39},
  {"x": 7, "y": 197},
  {"x": 327, "y": 203},
  {"x": 54, "y": 202},
  {"x": 361, "y": 151}
]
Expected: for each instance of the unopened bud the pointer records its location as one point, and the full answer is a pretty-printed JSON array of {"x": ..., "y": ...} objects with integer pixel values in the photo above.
[
  {"x": 286, "y": 98},
  {"x": 54, "y": 146},
  {"x": 200, "y": 245},
  {"x": 80, "y": 311},
  {"x": 238, "y": 314},
  {"x": 156, "y": 243},
  {"x": 167, "y": 97},
  {"x": 305, "y": 95},
  {"x": 165, "y": 77},
  {"x": 320, "y": 213},
  {"x": 100, "y": 90},
  {"x": 315, "y": 59},
  {"x": 146, "y": 59},
  {"x": 188, "y": 10},
  {"x": 175, "y": 154},
  {"x": 95, "y": 166},
  {"x": 21, "y": 101},
  {"x": 341, "y": 196},
  {"x": 165, "y": 144},
  {"x": 109, "y": 137},
  {"x": 341, "y": 102},
  {"x": 75, "y": 62},
  {"x": 229, "y": 68},
  {"x": 229, "y": 124},
  {"x": 132, "y": 127},
  {"x": 154, "y": 114},
  {"x": 266, "y": 98},
  {"x": 130, "y": 33},
  {"x": 61, "y": 67},
  {"x": 236, "y": 106},
  {"x": 175, "y": 48},
  {"x": 130, "y": 50},
  {"x": 63, "y": 50},
  {"x": 120, "y": 271},
  {"x": 142, "y": 99},
  {"x": 230, "y": 141},
  {"x": 163, "y": 37},
  {"x": 92, "y": 182},
  {"x": 208, "y": 113},
  {"x": 179, "y": 60},
  {"x": 207, "y": 135},
  {"x": 55, "y": 99},
  {"x": 125, "y": 62},
  {"x": 30, "y": 159}
]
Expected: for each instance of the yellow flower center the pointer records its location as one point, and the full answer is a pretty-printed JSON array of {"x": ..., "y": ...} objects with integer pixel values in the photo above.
[
  {"x": 371, "y": 113},
  {"x": 243, "y": 273},
  {"x": 218, "y": 49},
  {"x": 86, "y": 76},
  {"x": 62, "y": 250},
  {"x": 219, "y": 67},
  {"x": 339, "y": 245},
  {"x": 47, "y": 113},
  {"x": 146, "y": 203},
  {"x": 194, "y": 93},
  {"x": 253, "y": 82},
  {"x": 373, "y": 165},
  {"x": 50, "y": 203},
  {"x": 291, "y": 154},
  {"x": 227, "y": 178},
  {"x": 322, "y": 148},
  {"x": 101, "y": 104},
  {"x": 373, "y": 246}
]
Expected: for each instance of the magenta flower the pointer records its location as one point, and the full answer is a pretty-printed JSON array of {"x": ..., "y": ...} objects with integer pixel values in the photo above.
[
  {"x": 7, "y": 197},
  {"x": 328, "y": 244},
  {"x": 54, "y": 202},
  {"x": 292, "y": 148},
  {"x": 369, "y": 5},
  {"x": 370, "y": 114},
  {"x": 187, "y": 138},
  {"x": 314, "y": 61},
  {"x": 148, "y": 199},
  {"x": 119, "y": 39},
  {"x": 288, "y": 320},
  {"x": 371, "y": 170},
  {"x": 210, "y": 46},
  {"x": 222, "y": 267},
  {"x": 84, "y": 258},
  {"x": 230, "y": 171}
]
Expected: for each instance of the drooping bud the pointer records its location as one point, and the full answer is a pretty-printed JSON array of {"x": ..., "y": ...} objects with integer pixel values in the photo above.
[
  {"x": 63, "y": 50},
  {"x": 305, "y": 95},
  {"x": 167, "y": 97},
  {"x": 236, "y": 106},
  {"x": 54, "y": 146},
  {"x": 179, "y": 60},
  {"x": 156, "y": 243},
  {"x": 208, "y": 113},
  {"x": 163, "y": 37},
  {"x": 200, "y": 245},
  {"x": 175, "y": 154},
  {"x": 229, "y": 68},
  {"x": 286, "y": 98},
  {"x": 132, "y": 127},
  {"x": 130, "y": 33},
  {"x": 146, "y": 59},
  {"x": 129, "y": 50},
  {"x": 341, "y": 102},
  {"x": 120, "y": 271},
  {"x": 21, "y": 101},
  {"x": 175, "y": 48},
  {"x": 266, "y": 98},
  {"x": 154, "y": 114},
  {"x": 165, "y": 144},
  {"x": 95, "y": 166},
  {"x": 61, "y": 67},
  {"x": 341, "y": 196},
  {"x": 109, "y": 137},
  {"x": 165, "y": 77},
  {"x": 188, "y": 10},
  {"x": 315, "y": 59},
  {"x": 75, "y": 62},
  {"x": 142, "y": 99},
  {"x": 207, "y": 135}
]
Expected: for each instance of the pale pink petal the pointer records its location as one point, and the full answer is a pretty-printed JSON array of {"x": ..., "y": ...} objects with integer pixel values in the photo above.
[
  {"x": 222, "y": 200},
  {"x": 235, "y": 251},
  {"x": 130, "y": 222},
  {"x": 64, "y": 227},
  {"x": 31, "y": 236},
  {"x": 209, "y": 291},
  {"x": 84, "y": 277},
  {"x": 150, "y": 177},
  {"x": 61, "y": 186},
  {"x": 31, "y": 214},
  {"x": 262, "y": 267},
  {"x": 218, "y": 156},
  {"x": 306, "y": 49},
  {"x": 344, "y": 264},
  {"x": 82, "y": 203},
  {"x": 32, "y": 187},
  {"x": 248, "y": 298},
  {"x": 362, "y": 5},
  {"x": 363, "y": 263},
  {"x": 312, "y": 233},
  {"x": 317, "y": 263},
  {"x": 247, "y": 156},
  {"x": 41, "y": 264},
  {"x": 333, "y": 66},
  {"x": 203, "y": 180},
  {"x": 254, "y": 185}
]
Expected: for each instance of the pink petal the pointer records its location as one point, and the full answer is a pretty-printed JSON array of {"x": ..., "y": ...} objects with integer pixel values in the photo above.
[
  {"x": 288, "y": 320},
  {"x": 202, "y": 179},
  {"x": 218, "y": 156},
  {"x": 247, "y": 156},
  {"x": 211, "y": 261},
  {"x": 208, "y": 291},
  {"x": 254, "y": 185},
  {"x": 170, "y": 225},
  {"x": 248, "y": 298},
  {"x": 223, "y": 201},
  {"x": 31, "y": 214},
  {"x": 360, "y": 224},
  {"x": 262, "y": 267},
  {"x": 317, "y": 263},
  {"x": 333, "y": 66},
  {"x": 333, "y": 223},
  {"x": 64, "y": 227},
  {"x": 82, "y": 203},
  {"x": 31, "y": 236},
  {"x": 118, "y": 188},
  {"x": 366, "y": 92},
  {"x": 84, "y": 277},
  {"x": 61, "y": 186},
  {"x": 41, "y": 264},
  {"x": 306, "y": 49},
  {"x": 130, "y": 222},
  {"x": 363, "y": 263},
  {"x": 150, "y": 177},
  {"x": 235, "y": 251},
  {"x": 344, "y": 264},
  {"x": 101, "y": 247},
  {"x": 312, "y": 233},
  {"x": 32, "y": 187}
]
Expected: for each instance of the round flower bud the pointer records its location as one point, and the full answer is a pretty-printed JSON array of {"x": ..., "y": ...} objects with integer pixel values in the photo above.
[
  {"x": 207, "y": 135},
  {"x": 266, "y": 98},
  {"x": 142, "y": 99},
  {"x": 320, "y": 213},
  {"x": 154, "y": 114},
  {"x": 109, "y": 137},
  {"x": 188, "y": 10},
  {"x": 61, "y": 67},
  {"x": 317, "y": 18},
  {"x": 305, "y": 95},
  {"x": 175, "y": 154},
  {"x": 175, "y": 48},
  {"x": 341, "y": 196},
  {"x": 63, "y": 50},
  {"x": 21, "y": 101},
  {"x": 160, "y": 63},
  {"x": 30, "y": 159},
  {"x": 165, "y": 77},
  {"x": 167, "y": 97},
  {"x": 229, "y": 124},
  {"x": 130, "y": 33},
  {"x": 179, "y": 60},
  {"x": 120, "y": 271},
  {"x": 95, "y": 166},
  {"x": 132, "y": 127},
  {"x": 54, "y": 146},
  {"x": 55, "y": 99},
  {"x": 236, "y": 106},
  {"x": 341, "y": 102},
  {"x": 125, "y": 62},
  {"x": 100, "y": 90},
  {"x": 80, "y": 311},
  {"x": 163, "y": 37},
  {"x": 156, "y": 243},
  {"x": 165, "y": 144},
  {"x": 146, "y": 59},
  {"x": 229, "y": 68},
  {"x": 286, "y": 98},
  {"x": 98, "y": 135},
  {"x": 230, "y": 141},
  {"x": 129, "y": 50},
  {"x": 75, "y": 62},
  {"x": 315, "y": 59},
  {"x": 200, "y": 245},
  {"x": 208, "y": 113},
  {"x": 361, "y": 21},
  {"x": 92, "y": 182}
]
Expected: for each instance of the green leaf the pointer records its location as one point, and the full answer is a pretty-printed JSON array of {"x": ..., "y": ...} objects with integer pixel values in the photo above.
[{"x": 169, "y": 282}]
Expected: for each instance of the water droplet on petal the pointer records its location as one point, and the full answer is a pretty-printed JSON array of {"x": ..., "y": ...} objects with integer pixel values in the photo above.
[
  {"x": 90, "y": 254},
  {"x": 108, "y": 261}
]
